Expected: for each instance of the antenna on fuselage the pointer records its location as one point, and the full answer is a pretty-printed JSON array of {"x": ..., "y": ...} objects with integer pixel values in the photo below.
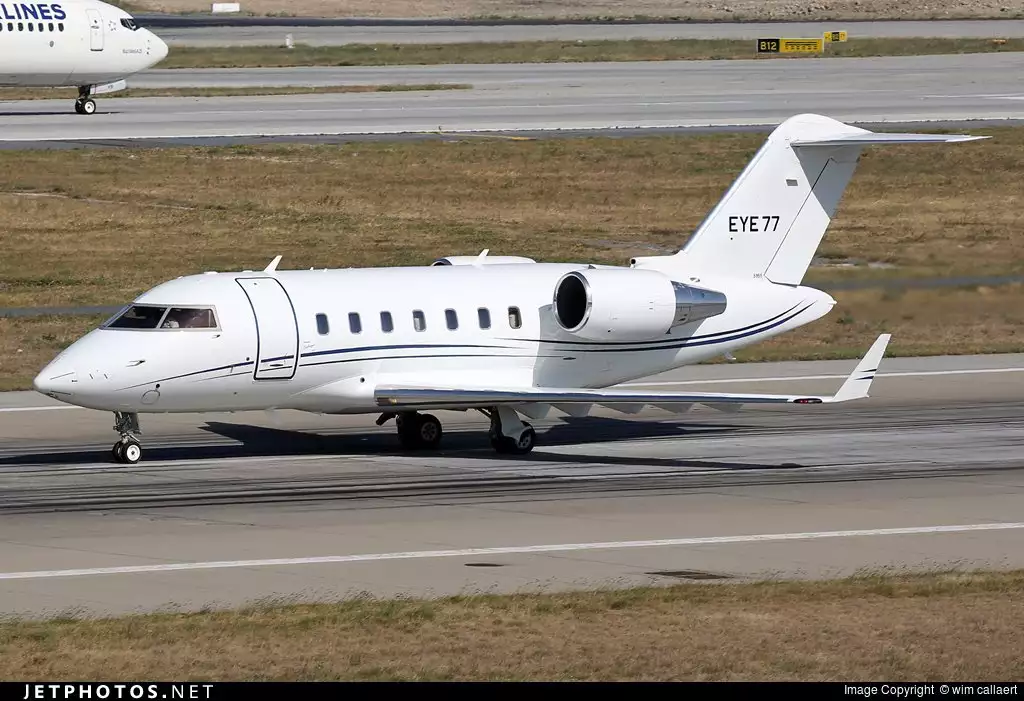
[
  {"x": 480, "y": 258},
  {"x": 273, "y": 265}
]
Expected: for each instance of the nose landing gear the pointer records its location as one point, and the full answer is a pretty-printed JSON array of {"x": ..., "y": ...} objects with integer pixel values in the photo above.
[
  {"x": 85, "y": 104},
  {"x": 128, "y": 450}
]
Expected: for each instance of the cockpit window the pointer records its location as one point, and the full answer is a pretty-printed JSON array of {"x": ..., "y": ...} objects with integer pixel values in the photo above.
[
  {"x": 185, "y": 318},
  {"x": 129, "y": 23},
  {"x": 141, "y": 316},
  {"x": 138, "y": 317}
]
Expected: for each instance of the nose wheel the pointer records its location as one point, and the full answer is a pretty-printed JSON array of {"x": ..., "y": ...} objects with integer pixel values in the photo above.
[
  {"x": 127, "y": 453},
  {"x": 86, "y": 106},
  {"x": 128, "y": 450}
]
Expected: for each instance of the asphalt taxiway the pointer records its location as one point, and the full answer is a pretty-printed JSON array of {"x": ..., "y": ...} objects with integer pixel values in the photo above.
[
  {"x": 225, "y": 509},
  {"x": 513, "y": 98}
]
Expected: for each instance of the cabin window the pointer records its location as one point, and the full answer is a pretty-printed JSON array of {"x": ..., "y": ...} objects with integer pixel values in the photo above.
[
  {"x": 31, "y": 27},
  {"x": 21, "y": 26},
  {"x": 10, "y": 26},
  {"x": 354, "y": 325},
  {"x": 484, "y": 315},
  {"x": 60, "y": 26},
  {"x": 451, "y": 318},
  {"x": 515, "y": 319},
  {"x": 138, "y": 316},
  {"x": 387, "y": 324},
  {"x": 41, "y": 27},
  {"x": 185, "y": 318},
  {"x": 50, "y": 27},
  {"x": 419, "y": 322},
  {"x": 322, "y": 325}
]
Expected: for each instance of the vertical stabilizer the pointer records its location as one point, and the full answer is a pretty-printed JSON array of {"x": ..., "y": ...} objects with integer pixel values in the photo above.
[{"x": 771, "y": 221}]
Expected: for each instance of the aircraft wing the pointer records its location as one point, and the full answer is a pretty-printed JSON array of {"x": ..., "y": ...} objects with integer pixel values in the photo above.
[{"x": 856, "y": 386}]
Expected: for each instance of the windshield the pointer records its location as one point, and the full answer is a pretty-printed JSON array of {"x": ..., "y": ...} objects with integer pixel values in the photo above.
[
  {"x": 138, "y": 317},
  {"x": 129, "y": 23},
  {"x": 141, "y": 316}
]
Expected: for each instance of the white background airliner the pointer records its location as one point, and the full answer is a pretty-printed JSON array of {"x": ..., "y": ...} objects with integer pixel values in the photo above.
[
  {"x": 505, "y": 336},
  {"x": 73, "y": 43}
]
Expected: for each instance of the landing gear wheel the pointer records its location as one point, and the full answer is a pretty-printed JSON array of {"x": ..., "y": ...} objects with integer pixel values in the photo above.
[
  {"x": 429, "y": 431},
  {"x": 417, "y": 432},
  {"x": 131, "y": 453},
  {"x": 87, "y": 106},
  {"x": 513, "y": 446},
  {"x": 127, "y": 453},
  {"x": 128, "y": 450}
]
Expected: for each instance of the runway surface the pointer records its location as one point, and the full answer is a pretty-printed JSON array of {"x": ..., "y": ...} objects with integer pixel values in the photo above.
[
  {"x": 230, "y": 508},
  {"x": 544, "y": 97},
  {"x": 449, "y": 34}
]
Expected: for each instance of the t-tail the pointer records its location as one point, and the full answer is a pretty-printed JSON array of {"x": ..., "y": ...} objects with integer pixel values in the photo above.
[{"x": 771, "y": 221}]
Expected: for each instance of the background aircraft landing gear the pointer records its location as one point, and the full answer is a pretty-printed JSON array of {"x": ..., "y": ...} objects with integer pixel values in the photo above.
[
  {"x": 509, "y": 435},
  {"x": 128, "y": 450},
  {"x": 85, "y": 104},
  {"x": 418, "y": 431}
]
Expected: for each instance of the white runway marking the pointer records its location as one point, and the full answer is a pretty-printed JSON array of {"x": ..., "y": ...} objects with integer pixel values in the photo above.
[
  {"x": 36, "y": 408},
  {"x": 514, "y": 550}
]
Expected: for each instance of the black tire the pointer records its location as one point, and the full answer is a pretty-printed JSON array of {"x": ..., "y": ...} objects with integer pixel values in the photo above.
[
  {"x": 131, "y": 453},
  {"x": 522, "y": 446},
  {"x": 511, "y": 446},
  {"x": 428, "y": 431}
]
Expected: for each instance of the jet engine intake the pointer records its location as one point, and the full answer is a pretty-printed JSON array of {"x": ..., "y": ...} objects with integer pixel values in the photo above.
[{"x": 629, "y": 304}]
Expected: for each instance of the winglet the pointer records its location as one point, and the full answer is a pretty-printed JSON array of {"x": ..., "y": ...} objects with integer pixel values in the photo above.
[
  {"x": 273, "y": 265},
  {"x": 859, "y": 381}
]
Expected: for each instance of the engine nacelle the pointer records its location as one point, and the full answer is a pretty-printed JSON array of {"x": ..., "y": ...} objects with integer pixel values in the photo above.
[
  {"x": 477, "y": 260},
  {"x": 629, "y": 305}
]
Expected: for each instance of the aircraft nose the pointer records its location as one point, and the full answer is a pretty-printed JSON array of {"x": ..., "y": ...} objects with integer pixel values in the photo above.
[
  {"x": 159, "y": 48},
  {"x": 57, "y": 381}
]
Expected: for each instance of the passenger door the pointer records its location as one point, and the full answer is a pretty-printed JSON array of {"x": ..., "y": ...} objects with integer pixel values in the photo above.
[
  {"x": 277, "y": 329},
  {"x": 95, "y": 30}
]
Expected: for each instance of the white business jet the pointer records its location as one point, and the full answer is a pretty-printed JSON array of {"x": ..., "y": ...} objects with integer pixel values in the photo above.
[
  {"x": 73, "y": 43},
  {"x": 502, "y": 335}
]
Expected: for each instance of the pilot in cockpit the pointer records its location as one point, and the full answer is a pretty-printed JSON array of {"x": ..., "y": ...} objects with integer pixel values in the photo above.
[{"x": 187, "y": 319}]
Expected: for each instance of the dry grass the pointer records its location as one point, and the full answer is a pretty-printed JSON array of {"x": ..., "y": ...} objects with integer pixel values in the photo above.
[
  {"x": 942, "y": 627},
  {"x": 73, "y": 218},
  {"x": 806, "y": 10},
  {"x": 26, "y": 345},
  {"x": 923, "y": 322},
  {"x": 555, "y": 51},
  {"x": 72, "y": 93}
]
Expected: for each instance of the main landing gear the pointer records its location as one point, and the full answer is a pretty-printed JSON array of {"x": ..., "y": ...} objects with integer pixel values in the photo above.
[
  {"x": 508, "y": 434},
  {"x": 128, "y": 450},
  {"x": 415, "y": 431},
  {"x": 85, "y": 104}
]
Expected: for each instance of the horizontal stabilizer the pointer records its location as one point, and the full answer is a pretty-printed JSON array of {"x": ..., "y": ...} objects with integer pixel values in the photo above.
[
  {"x": 572, "y": 400},
  {"x": 869, "y": 138}
]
